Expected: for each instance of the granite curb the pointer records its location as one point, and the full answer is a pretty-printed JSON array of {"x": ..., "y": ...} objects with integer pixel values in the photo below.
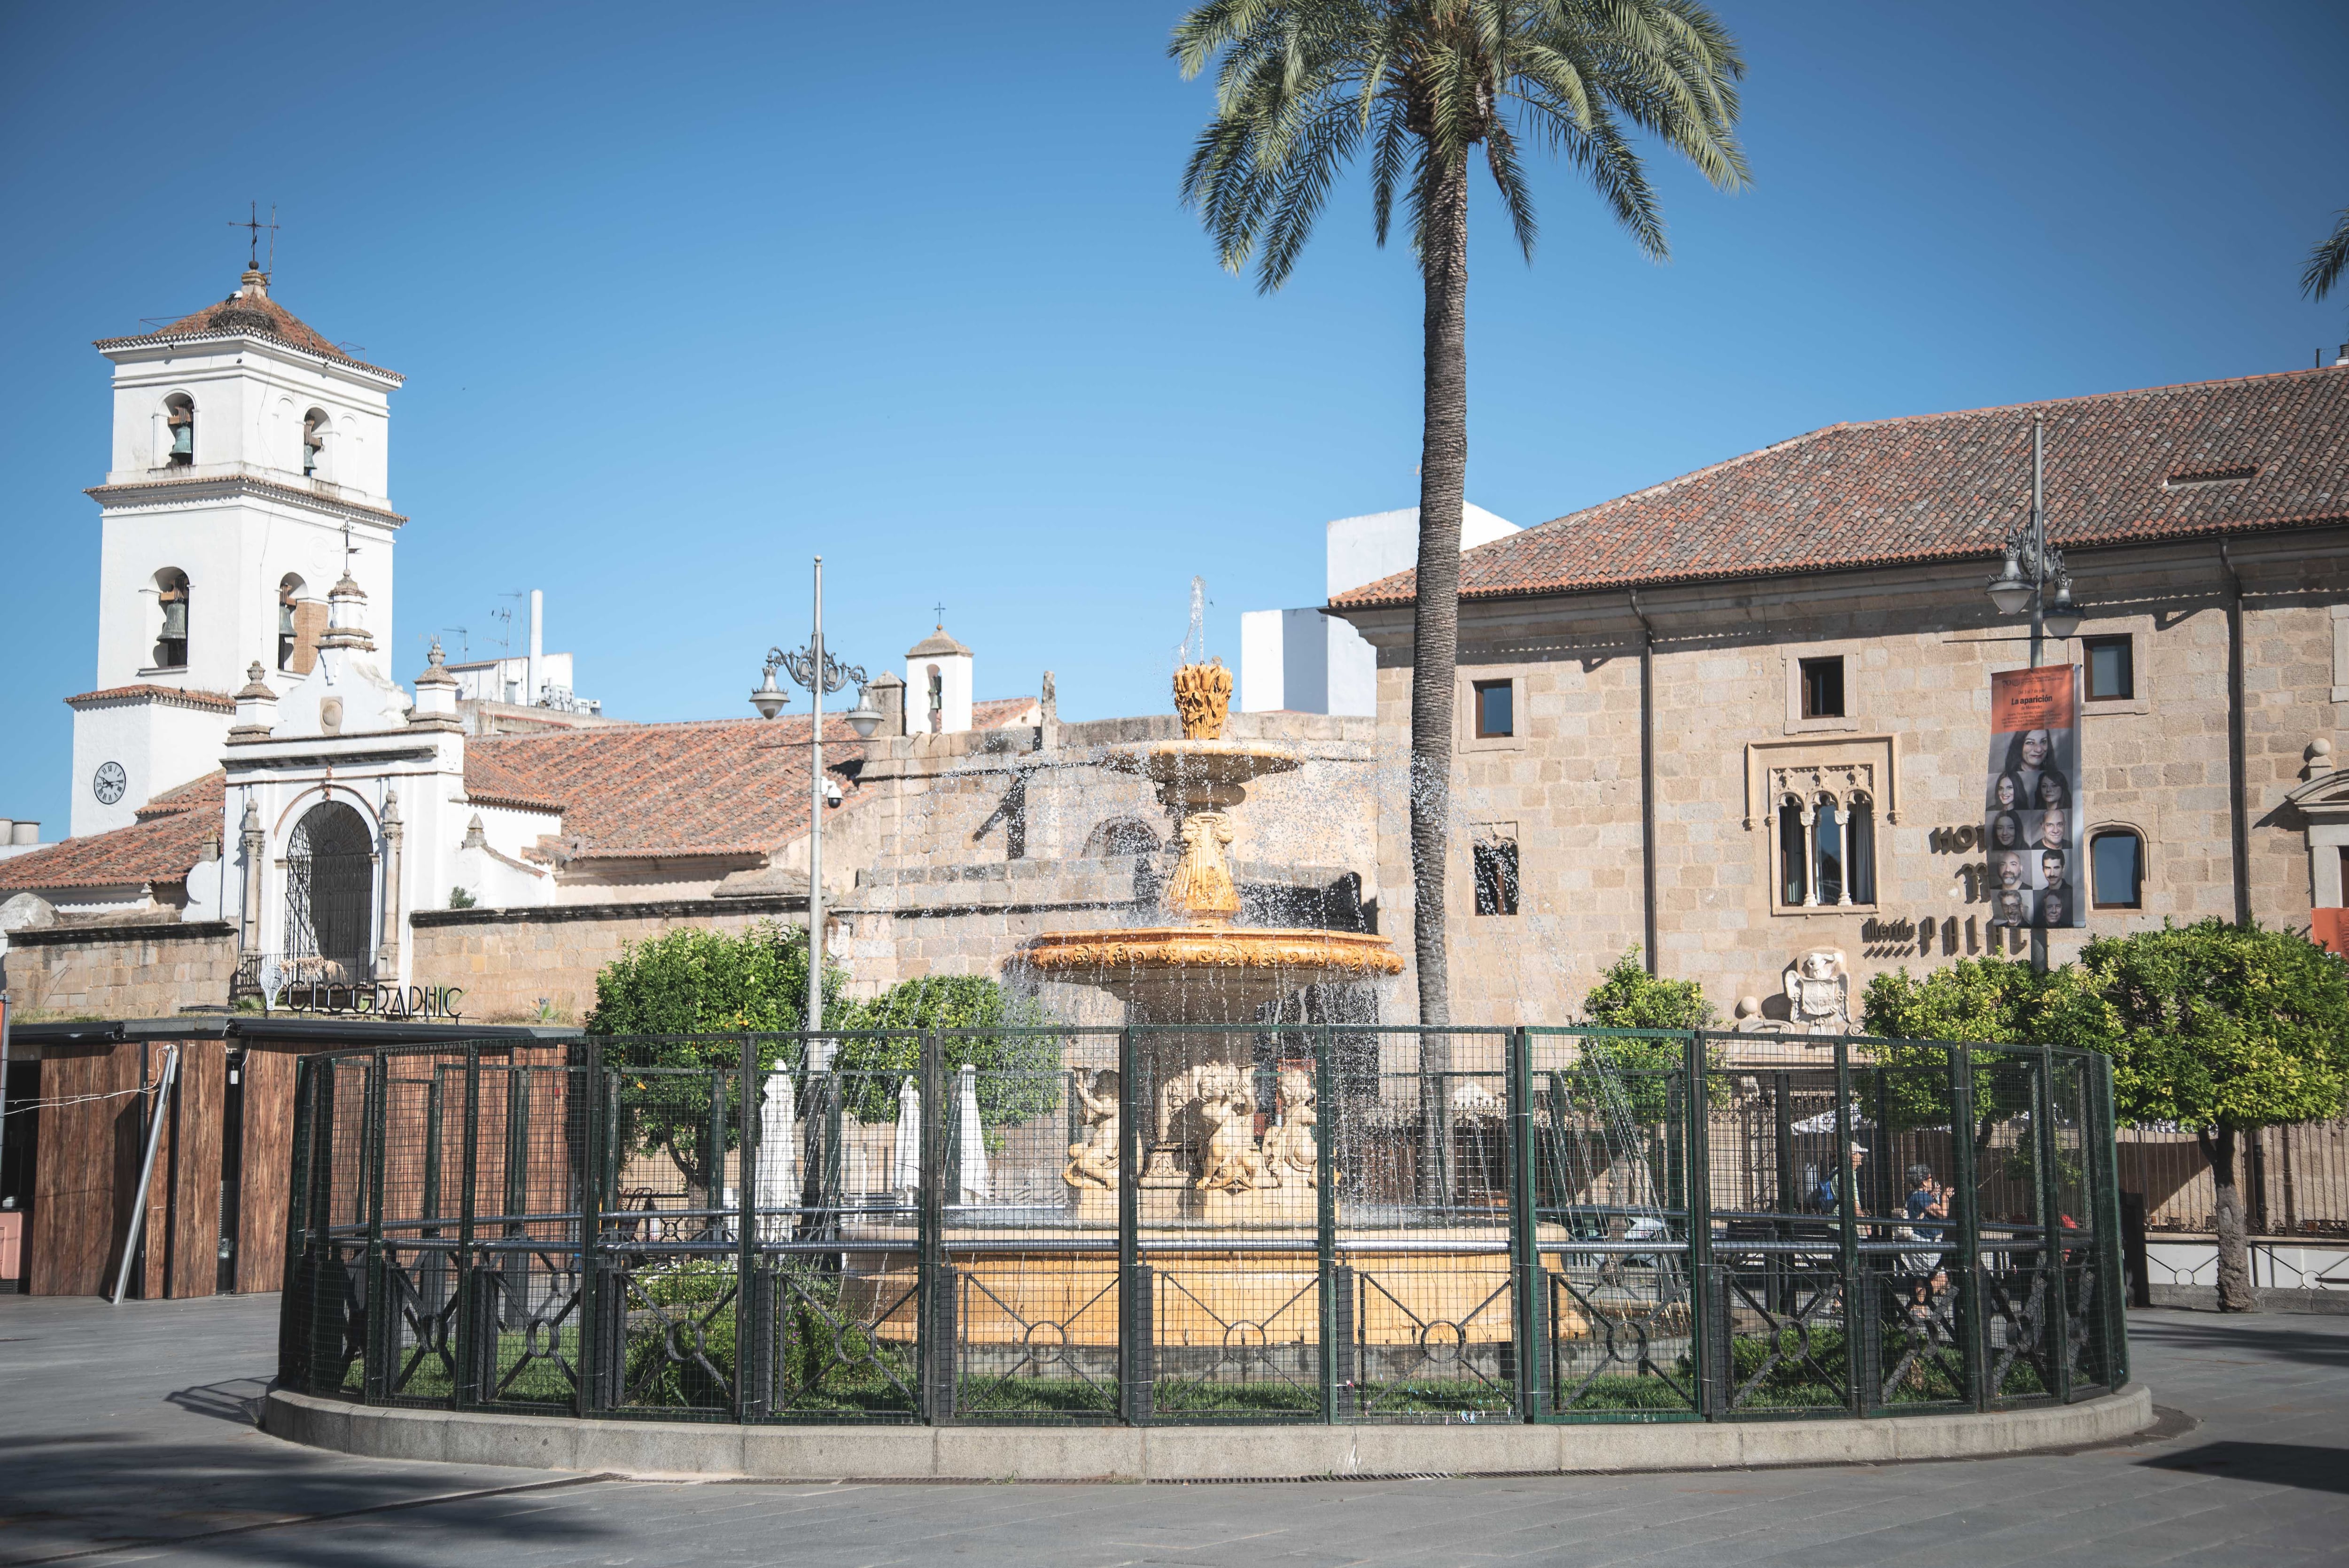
[{"x": 716, "y": 1451}]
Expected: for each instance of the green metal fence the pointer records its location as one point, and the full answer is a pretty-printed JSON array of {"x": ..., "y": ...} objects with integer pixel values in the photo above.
[{"x": 1305, "y": 1224}]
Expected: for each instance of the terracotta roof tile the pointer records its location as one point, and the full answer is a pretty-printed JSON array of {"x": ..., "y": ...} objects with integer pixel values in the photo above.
[
  {"x": 218, "y": 701},
  {"x": 2122, "y": 466},
  {"x": 168, "y": 838},
  {"x": 257, "y": 315},
  {"x": 1005, "y": 713},
  {"x": 727, "y": 786}
]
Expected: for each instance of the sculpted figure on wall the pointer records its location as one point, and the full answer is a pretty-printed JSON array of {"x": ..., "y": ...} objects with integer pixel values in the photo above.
[
  {"x": 1094, "y": 1163},
  {"x": 1291, "y": 1149},
  {"x": 1819, "y": 992}
]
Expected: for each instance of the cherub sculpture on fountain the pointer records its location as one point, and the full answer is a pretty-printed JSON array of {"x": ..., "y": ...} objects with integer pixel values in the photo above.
[
  {"x": 1230, "y": 1162},
  {"x": 1092, "y": 1164},
  {"x": 1289, "y": 1148}
]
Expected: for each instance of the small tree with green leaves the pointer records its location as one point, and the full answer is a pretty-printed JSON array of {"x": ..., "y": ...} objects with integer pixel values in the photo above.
[
  {"x": 2224, "y": 1030},
  {"x": 1991, "y": 1001},
  {"x": 1626, "y": 1078},
  {"x": 1019, "y": 1073},
  {"x": 707, "y": 984}
]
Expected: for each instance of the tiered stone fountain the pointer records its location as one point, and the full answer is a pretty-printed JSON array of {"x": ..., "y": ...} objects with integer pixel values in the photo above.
[{"x": 1205, "y": 1159}]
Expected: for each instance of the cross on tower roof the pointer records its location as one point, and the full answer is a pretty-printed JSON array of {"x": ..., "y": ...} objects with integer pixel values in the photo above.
[
  {"x": 253, "y": 223},
  {"x": 942, "y": 616}
]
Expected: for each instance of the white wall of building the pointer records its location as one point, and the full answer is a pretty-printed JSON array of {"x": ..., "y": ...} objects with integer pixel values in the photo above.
[
  {"x": 954, "y": 674},
  {"x": 236, "y": 540},
  {"x": 1306, "y": 662},
  {"x": 158, "y": 746},
  {"x": 1381, "y": 543}
]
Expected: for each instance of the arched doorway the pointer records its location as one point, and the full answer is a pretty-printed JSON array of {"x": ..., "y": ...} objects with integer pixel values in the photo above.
[{"x": 329, "y": 889}]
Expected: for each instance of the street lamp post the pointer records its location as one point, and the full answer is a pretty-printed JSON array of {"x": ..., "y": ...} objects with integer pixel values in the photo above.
[
  {"x": 2030, "y": 567},
  {"x": 814, "y": 668}
]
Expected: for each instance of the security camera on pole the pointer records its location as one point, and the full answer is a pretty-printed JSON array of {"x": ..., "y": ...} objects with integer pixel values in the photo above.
[{"x": 817, "y": 670}]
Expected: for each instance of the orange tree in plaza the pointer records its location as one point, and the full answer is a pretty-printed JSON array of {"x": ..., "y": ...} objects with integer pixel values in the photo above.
[
  {"x": 2213, "y": 1029},
  {"x": 1422, "y": 88}
]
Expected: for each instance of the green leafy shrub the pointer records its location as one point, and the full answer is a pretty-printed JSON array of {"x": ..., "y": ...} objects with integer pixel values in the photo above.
[
  {"x": 1019, "y": 1073},
  {"x": 699, "y": 982}
]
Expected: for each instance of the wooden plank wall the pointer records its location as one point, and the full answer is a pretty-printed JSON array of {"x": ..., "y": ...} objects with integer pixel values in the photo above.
[
  {"x": 199, "y": 1117},
  {"x": 268, "y": 1164},
  {"x": 86, "y": 1168}
]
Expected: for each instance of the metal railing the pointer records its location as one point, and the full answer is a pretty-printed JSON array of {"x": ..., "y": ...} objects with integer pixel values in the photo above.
[{"x": 1314, "y": 1222}]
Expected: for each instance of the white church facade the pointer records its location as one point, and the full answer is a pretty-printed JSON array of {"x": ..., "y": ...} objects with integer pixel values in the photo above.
[{"x": 259, "y": 803}]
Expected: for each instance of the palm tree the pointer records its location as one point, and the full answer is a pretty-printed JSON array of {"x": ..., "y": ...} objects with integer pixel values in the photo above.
[
  {"x": 1303, "y": 84},
  {"x": 2327, "y": 262}
]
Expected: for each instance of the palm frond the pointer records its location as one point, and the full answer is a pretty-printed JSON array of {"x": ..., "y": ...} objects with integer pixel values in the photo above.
[{"x": 2327, "y": 262}]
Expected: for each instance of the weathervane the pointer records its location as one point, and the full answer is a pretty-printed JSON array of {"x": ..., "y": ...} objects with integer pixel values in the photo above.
[{"x": 253, "y": 224}]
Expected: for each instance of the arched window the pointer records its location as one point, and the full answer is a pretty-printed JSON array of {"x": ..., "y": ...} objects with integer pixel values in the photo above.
[
  {"x": 1826, "y": 850},
  {"x": 329, "y": 889},
  {"x": 314, "y": 444},
  {"x": 171, "y": 636},
  {"x": 1859, "y": 848},
  {"x": 1793, "y": 854},
  {"x": 180, "y": 423},
  {"x": 287, "y": 638},
  {"x": 937, "y": 699},
  {"x": 2117, "y": 870}
]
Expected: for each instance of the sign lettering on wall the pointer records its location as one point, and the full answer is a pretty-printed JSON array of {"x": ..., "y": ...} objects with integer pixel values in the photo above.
[{"x": 373, "y": 1001}]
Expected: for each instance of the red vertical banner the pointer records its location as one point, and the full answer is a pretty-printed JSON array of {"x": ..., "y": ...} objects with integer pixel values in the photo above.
[
  {"x": 2033, "y": 817},
  {"x": 2329, "y": 928}
]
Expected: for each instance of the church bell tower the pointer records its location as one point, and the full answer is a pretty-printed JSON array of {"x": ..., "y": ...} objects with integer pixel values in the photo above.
[{"x": 248, "y": 477}]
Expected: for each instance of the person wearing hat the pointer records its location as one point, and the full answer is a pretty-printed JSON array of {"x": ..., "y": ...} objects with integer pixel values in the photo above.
[{"x": 1824, "y": 1196}]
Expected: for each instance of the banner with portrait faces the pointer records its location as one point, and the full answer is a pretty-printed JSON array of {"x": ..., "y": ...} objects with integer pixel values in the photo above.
[{"x": 2031, "y": 824}]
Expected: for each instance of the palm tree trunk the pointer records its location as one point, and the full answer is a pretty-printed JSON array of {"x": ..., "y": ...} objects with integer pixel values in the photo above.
[
  {"x": 2235, "y": 1292},
  {"x": 1435, "y": 620}
]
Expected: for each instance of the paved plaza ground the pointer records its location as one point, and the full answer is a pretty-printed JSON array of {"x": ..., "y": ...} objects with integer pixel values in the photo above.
[{"x": 126, "y": 1434}]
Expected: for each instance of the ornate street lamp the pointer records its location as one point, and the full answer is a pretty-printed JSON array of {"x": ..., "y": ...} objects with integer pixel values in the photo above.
[
  {"x": 814, "y": 668},
  {"x": 2022, "y": 582}
]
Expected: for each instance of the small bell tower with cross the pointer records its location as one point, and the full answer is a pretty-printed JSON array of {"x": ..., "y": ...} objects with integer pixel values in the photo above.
[{"x": 248, "y": 476}]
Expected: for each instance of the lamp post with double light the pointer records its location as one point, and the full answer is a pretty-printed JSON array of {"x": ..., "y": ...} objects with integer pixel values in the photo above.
[
  {"x": 813, "y": 667},
  {"x": 2022, "y": 582}
]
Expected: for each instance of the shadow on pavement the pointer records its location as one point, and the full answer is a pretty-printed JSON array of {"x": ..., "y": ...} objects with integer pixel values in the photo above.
[
  {"x": 2247, "y": 1333},
  {"x": 253, "y": 1500},
  {"x": 238, "y": 1399},
  {"x": 2302, "y": 1465}
]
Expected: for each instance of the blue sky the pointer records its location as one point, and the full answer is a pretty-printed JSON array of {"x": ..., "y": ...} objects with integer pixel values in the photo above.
[{"x": 686, "y": 295}]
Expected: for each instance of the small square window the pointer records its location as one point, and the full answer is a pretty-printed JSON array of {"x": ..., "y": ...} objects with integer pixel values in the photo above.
[
  {"x": 1496, "y": 876},
  {"x": 1822, "y": 688},
  {"x": 2117, "y": 870},
  {"x": 1496, "y": 714},
  {"x": 2112, "y": 669}
]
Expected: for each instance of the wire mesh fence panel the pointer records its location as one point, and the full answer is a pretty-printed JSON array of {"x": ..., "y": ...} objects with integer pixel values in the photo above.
[
  {"x": 1422, "y": 1294},
  {"x": 1609, "y": 1119},
  {"x": 1029, "y": 1161},
  {"x": 1279, "y": 1222},
  {"x": 834, "y": 1290},
  {"x": 666, "y": 1289}
]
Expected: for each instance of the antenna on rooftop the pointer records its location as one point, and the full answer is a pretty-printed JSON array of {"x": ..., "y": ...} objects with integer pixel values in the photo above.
[{"x": 464, "y": 649}]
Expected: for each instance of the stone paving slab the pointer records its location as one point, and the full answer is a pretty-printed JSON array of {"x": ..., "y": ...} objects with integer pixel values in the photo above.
[{"x": 125, "y": 1436}]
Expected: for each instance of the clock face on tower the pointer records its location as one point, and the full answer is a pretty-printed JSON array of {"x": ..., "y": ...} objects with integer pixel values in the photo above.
[{"x": 109, "y": 783}]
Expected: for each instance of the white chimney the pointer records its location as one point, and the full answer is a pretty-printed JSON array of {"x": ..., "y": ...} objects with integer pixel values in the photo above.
[
  {"x": 529, "y": 697},
  {"x": 2344, "y": 357}
]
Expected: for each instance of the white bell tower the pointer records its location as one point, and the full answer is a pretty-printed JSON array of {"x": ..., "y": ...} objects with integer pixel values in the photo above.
[{"x": 248, "y": 477}]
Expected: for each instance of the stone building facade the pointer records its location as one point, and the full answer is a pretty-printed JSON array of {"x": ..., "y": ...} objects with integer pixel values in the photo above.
[{"x": 1653, "y": 654}]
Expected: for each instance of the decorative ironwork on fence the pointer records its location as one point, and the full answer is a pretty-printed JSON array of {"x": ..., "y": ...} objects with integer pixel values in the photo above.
[{"x": 1364, "y": 1223}]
